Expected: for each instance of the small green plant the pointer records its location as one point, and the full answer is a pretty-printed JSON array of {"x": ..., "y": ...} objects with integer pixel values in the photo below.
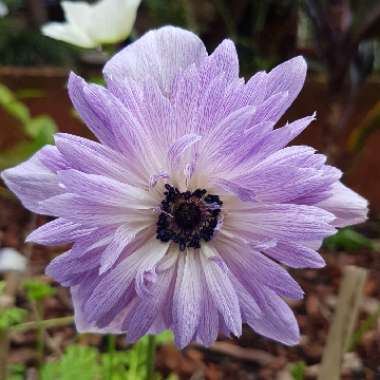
[
  {"x": 348, "y": 240},
  {"x": 298, "y": 370},
  {"x": 37, "y": 291},
  {"x": 11, "y": 316},
  {"x": 38, "y": 130},
  {"x": 87, "y": 363},
  {"x": 78, "y": 362},
  {"x": 2, "y": 287},
  {"x": 16, "y": 372}
]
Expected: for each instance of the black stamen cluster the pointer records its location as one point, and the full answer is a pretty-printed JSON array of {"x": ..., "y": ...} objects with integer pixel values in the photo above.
[{"x": 188, "y": 217}]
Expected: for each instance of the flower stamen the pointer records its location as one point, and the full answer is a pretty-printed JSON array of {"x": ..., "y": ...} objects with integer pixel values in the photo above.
[{"x": 187, "y": 218}]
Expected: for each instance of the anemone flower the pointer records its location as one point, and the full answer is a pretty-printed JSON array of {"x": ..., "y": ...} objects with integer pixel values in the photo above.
[
  {"x": 93, "y": 25},
  {"x": 186, "y": 211}
]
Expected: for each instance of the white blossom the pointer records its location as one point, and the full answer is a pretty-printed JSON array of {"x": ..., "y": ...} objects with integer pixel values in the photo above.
[{"x": 93, "y": 25}]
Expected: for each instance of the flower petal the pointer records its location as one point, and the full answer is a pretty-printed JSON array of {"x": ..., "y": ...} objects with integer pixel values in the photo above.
[
  {"x": 287, "y": 77},
  {"x": 83, "y": 326},
  {"x": 106, "y": 116},
  {"x": 106, "y": 191},
  {"x": 160, "y": 54},
  {"x": 32, "y": 182},
  {"x": 222, "y": 291},
  {"x": 286, "y": 222},
  {"x": 348, "y": 206},
  {"x": 187, "y": 298},
  {"x": 224, "y": 59},
  {"x": 121, "y": 239},
  {"x": 180, "y": 146},
  {"x": 122, "y": 14},
  {"x": 149, "y": 307},
  {"x": 68, "y": 33},
  {"x": 93, "y": 158},
  {"x": 246, "y": 263},
  {"x": 295, "y": 255},
  {"x": 277, "y": 321},
  {"x": 68, "y": 269},
  {"x": 117, "y": 281},
  {"x": 58, "y": 231}
]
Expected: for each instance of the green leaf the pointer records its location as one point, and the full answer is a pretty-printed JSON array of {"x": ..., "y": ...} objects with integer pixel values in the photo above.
[
  {"x": 11, "y": 316},
  {"x": 16, "y": 372},
  {"x": 87, "y": 363},
  {"x": 172, "y": 377},
  {"x": 348, "y": 240},
  {"x": 36, "y": 290},
  {"x": 39, "y": 130},
  {"x": 29, "y": 93},
  {"x": 165, "y": 337},
  {"x": 12, "y": 106},
  {"x": 97, "y": 80},
  {"x": 42, "y": 127},
  {"x": 298, "y": 370},
  {"x": 25, "y": 149},
  {"x": 2, "y": 287},
  {"x": 78, "y": 362}
]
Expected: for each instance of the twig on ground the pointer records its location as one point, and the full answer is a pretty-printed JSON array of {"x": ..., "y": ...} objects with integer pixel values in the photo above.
[{"x": 342, "y": 326}]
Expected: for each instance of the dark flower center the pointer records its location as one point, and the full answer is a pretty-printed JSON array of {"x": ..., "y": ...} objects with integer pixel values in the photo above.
[{"x": 188, "y": 218}]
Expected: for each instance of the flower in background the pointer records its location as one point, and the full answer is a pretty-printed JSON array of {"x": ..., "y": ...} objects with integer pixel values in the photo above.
[
  {"x": 12, "y": 260},
  {"x": 183, "y": 212},
  {"x": 90, "y": 26},
  {"x": 3, "y": 9}
]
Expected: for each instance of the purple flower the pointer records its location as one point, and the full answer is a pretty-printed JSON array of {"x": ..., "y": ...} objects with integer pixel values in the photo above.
[{"x": 183, "y": 212}]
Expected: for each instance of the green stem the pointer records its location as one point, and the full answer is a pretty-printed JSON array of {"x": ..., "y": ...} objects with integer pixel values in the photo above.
[
  {"x": 39, "y": 312},
  {"x": 111, "y": 343},
  {"x": 4, "y": 348},
  {"x": 47, "y": 323},
  {"x": 151, "y": 355}
]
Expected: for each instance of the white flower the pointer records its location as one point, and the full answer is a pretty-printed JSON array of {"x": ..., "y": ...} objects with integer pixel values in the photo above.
[
  {"x": 12, "y": 260},
  {"x": 89, "y": 26},
  {"x": 3, "y": 9}
]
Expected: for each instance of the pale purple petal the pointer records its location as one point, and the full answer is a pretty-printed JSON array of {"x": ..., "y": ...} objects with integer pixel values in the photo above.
[
  {"x": 180, "y": 146},
  {"x": 288, "y": 76},
  {"x": 295, "y": 255},
  {"x": 58, "y": 231},
  {"x": 160, "y": 54},
  {"x": 32, "y": 182},
  {"x": 148, "y": 307},
  {"x": 348, "y": 206},
  {"x": 283, "y": 221},
  {"x": 187, "y": 298},
  {"x": 122, "y": 237},
  {"x": 278, "y": 321},
  {"x": 93, "y": 158},
  {"x": 52, "y": 158},
  {"x": 223, "y": 293},
  {"x": 105, "y": 191},
  {"x": 89, "y": 112},
  {"x": 224, "y": 59}
]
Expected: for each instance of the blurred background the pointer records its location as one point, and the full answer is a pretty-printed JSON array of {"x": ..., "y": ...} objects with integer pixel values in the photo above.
[{"x": 340, "y": 40}]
